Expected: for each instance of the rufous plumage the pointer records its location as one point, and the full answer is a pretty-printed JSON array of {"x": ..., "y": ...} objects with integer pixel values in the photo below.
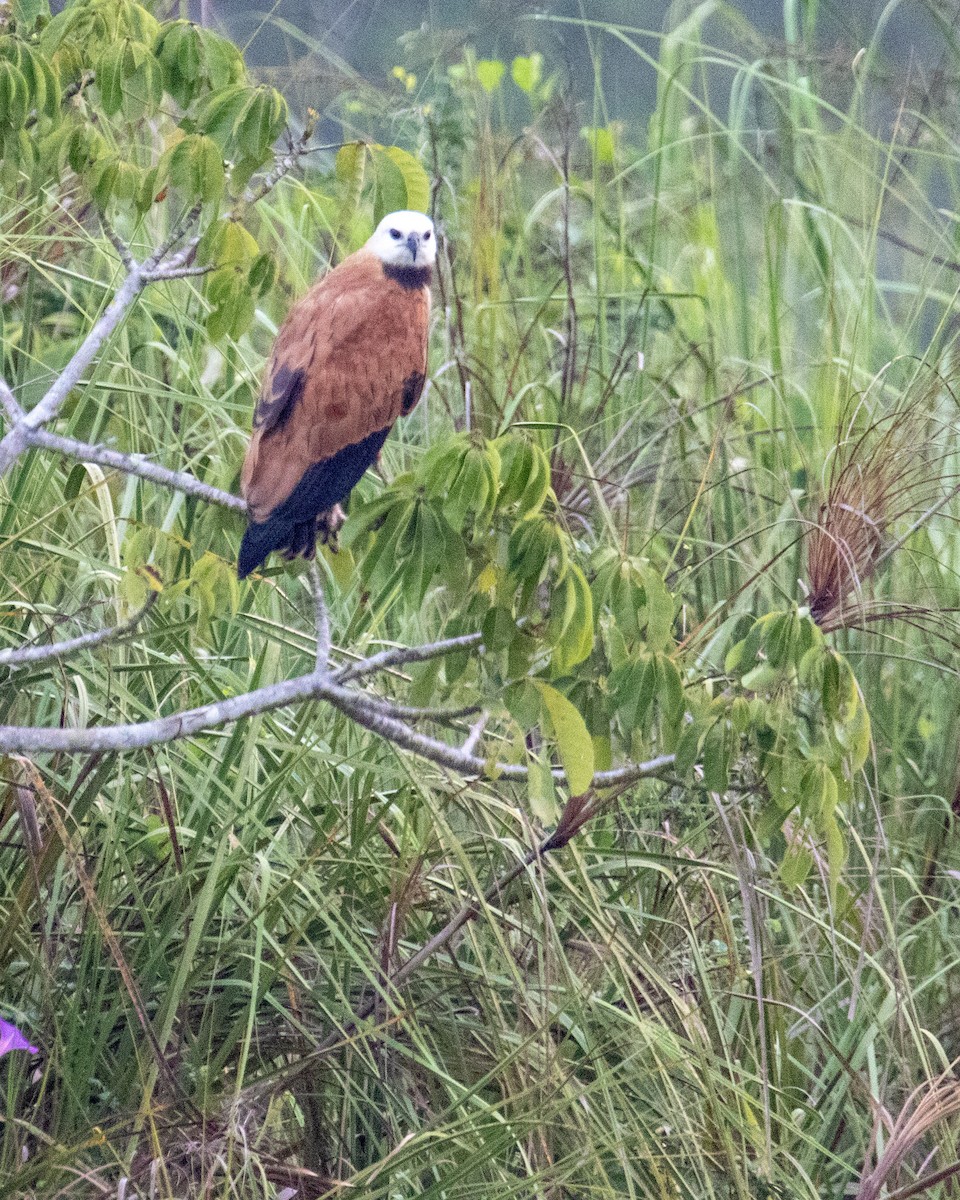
[{"x": 350, "y": 358}]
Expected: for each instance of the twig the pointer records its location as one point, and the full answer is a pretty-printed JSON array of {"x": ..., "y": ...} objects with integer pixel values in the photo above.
[
  {"x": 285, "y": 163},
  {"x": 118, "y": 243},
  {"x": 15, "y": 441},
  {"x": 22, "y": 656},
  {"x": 406, "y": 712},
  {"x": 316, "y": 685},
  {"x": 322, "y": 620},
  {"x": 133, "y": 464},
  {"x": 475, "y": 734},
  {"x": 401, "y": 655},
  {"x": 164, "y": 273},
  {"x": 174, "y": 236},
  {"x": 8, "y": 402}
]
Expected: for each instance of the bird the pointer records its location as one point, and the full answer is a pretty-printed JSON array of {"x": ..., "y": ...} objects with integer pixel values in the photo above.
[{"x": 350, "y": 358}]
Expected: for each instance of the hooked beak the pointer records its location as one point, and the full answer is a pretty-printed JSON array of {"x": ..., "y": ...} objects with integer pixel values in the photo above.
[{"x": 413, "y": 244}]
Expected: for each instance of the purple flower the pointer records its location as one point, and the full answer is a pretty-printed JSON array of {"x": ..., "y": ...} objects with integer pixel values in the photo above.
[{"x": 12, "y": 1039}]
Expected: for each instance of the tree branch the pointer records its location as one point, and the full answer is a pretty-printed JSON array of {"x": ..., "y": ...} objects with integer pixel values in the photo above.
[
  {"x": 401, "y": 655},
  {"x": 163, "y": 273},
  {"x": 476, "y": 733},
  {"x": 317, "y": 685},
  {"x": 23, "y": 656},
  {"x": 121, "y": 247},
  {"x": 286, "y": 162},
  {"x": 322, "y": 619},
  {"x": 8, "y": 402},
  {"x": 133, "y": 464},
  {"x": 137, "y": 277},
  {"x": 15, "y": 441}
]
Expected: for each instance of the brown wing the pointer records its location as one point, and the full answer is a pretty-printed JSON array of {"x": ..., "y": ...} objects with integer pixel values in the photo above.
[{"x": 349, "y": 359}]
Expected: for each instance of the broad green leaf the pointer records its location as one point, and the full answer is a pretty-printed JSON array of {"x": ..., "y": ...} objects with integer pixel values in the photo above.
[
  {"x": 25, "y": 12},
  {"x": 574, "y": 743},
  {"x": 391, "y": 191},
  {"x": 796, "y": 866},
  {"x": 659, "y": 609},
  {"x": 716, "y": 757},
  {"x": 542, "y": 792},
  {"x": 490, "y": 72},
  {"x": 527, "y": 71},
  {"x": 836, "y": 853},
  {"x": 601, "y": 142},
  {"x": 415, "y": 179}
]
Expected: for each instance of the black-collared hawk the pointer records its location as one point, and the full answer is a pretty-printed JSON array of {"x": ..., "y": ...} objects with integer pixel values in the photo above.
[{"x": 350, "y": 358}]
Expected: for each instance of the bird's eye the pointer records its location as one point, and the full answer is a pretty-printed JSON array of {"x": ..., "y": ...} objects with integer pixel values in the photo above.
[
  {"x": 426, "y": 236},
  {"x": 395, "y": 234}
]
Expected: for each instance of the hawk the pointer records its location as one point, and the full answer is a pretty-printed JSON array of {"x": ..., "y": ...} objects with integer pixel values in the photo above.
[{"x": 350, "y": 358}]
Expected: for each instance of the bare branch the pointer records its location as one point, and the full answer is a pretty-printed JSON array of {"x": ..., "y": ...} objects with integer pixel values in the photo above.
[
  {"x": 405, "y": 712},
  {"x": 475, "y": 734},
  {"x": 286, "y": 162},
  {"x": 121, "y": 247},
  {"x": 164, "y": 273},
  {"x": 8, "y": 402},
  {"x": 317, "y": 685},
  {"x": 322, "y": 620},
  {"x": 17, "y": 438},
  {"x": 401, "y": 655},
  {"x": 176, "y": 233},
  {"x": 134, "y": 464},
  {"x": 15, "y": 442},
  {"x": 23, "y": 656}
]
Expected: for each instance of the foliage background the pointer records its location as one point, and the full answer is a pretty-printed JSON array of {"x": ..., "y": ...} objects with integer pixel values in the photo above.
[{"x": 728, "y": 331}]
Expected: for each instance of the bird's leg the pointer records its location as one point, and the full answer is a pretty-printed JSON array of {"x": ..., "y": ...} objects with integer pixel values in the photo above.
[{"x": 329, "y": 524}]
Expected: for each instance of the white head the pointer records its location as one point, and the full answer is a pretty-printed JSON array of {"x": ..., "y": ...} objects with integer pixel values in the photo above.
[{"x": 405, "y": 239}]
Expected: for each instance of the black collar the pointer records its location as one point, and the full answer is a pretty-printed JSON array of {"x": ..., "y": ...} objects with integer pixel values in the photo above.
[{"x": 409, "y": 277}]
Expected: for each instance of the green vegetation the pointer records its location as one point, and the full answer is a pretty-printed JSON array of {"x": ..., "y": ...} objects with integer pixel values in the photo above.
[{"x": 685, "y": 465}]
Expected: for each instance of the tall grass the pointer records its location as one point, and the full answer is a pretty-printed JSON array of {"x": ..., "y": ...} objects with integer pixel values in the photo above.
[{"x": 734, "y": 334}]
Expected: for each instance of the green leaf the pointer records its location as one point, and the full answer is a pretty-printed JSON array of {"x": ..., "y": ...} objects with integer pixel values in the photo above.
[
  {"x": 416, "y": 181},
  {"x": 542, "y": 792},
  {"x": 601, "y": 142},
  {"x": 25, "y": 12},
  {"x": 853, "y": 735},
  {"x": 350, "y": 167},
  {"x": 196, "y": 165},
  {"x": 260, "y": 122},
  {"x": 716, "y": 757},
  {"x": 796, "y": 866},
  {"x": 576, "y": 641},
  {"x": 222, "y": 61},
  {"x": 391, "y": 191},
  {"x": 263, "y": 273},
  {"x": 14, "y": 96},
  {"x": 659, "y": 609},
  {"x": 574, "y": 743},
  {"x": 490, "y": 72},
  {"x": 527, "y": 72},
  {"x": 110, "y": 77},
  {"x": 836, "y": 853}
]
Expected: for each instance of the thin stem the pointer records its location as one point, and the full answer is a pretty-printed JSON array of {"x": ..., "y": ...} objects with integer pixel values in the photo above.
[
  {"x": 15, "y": 442},
  {"x": 23, "y": 656},
  {"x": 133, "y": 464},
  {"x": 322, "y": 620}
]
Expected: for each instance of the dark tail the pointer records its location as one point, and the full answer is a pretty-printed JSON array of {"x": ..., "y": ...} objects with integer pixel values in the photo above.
[{"x": 259, "y": 541}]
